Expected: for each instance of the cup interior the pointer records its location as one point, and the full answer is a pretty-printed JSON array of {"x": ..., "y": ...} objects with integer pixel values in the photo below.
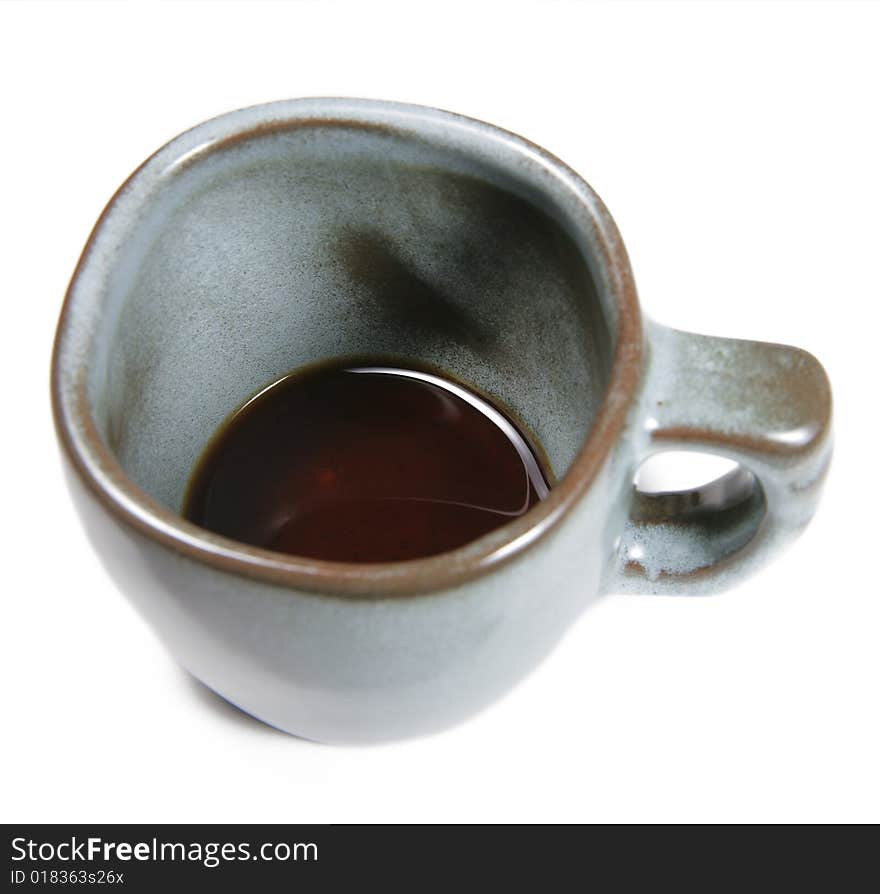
[{"x": 289, "y": 245}]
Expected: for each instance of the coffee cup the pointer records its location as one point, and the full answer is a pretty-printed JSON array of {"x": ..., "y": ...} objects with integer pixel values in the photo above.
[{"x": 292, "y": 233}]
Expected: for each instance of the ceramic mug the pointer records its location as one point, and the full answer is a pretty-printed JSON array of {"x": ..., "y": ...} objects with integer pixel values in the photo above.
[{"x": 285, "y": 234}]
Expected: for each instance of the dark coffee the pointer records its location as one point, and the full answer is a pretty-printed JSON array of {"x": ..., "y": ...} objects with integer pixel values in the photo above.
[{"x": 364, "y": 464}]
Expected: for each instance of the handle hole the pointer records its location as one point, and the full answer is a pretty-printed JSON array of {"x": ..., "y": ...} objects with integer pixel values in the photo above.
[
  {"x": 690, "y": 511},
  {"x": 681, "y": 470},
  {"x": 679, "y": 484}
]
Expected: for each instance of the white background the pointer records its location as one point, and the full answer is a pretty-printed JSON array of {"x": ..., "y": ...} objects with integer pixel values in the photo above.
[{"x": 738, "y": 148}]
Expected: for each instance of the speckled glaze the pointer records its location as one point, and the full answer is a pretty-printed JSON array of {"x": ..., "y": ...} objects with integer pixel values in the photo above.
[{"x": 300, "y": 231}]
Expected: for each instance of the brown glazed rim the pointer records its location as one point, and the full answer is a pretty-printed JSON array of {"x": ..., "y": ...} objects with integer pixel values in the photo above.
[{"x": 102, "y": 475}]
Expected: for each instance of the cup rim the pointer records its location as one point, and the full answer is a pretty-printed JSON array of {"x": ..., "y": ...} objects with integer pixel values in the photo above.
[{"x": 103, "y": 476}]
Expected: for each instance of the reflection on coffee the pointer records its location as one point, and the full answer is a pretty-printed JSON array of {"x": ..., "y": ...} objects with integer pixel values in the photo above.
[{"x": 364, "y": 464}]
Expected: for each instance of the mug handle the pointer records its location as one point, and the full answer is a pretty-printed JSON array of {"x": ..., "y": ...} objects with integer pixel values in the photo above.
[{"x": 765, "y": 406}]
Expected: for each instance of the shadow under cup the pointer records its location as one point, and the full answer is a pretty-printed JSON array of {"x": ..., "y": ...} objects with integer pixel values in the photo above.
[{"x": 317, "y": 240}]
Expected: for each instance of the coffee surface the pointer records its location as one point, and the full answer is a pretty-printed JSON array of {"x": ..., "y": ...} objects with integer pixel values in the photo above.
[{"x": 364, "y": 464}]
